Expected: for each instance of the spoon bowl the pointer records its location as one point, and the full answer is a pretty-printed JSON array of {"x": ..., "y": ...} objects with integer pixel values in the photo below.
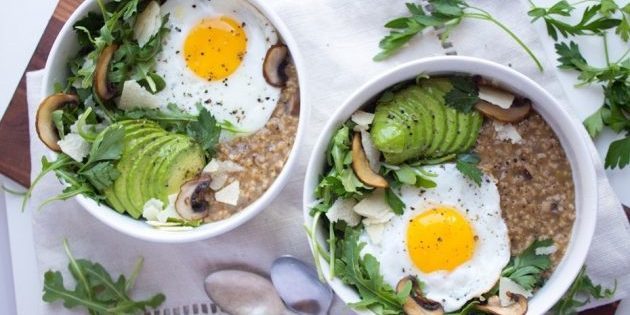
[{"x": 299, "y": 287}]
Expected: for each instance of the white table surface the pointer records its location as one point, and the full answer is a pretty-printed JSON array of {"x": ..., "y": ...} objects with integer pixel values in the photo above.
[{"x": 16, "y": 250}]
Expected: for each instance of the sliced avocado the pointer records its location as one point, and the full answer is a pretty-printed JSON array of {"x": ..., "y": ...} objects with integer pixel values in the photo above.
[
  {"x": 131, "y": 132},
  {"x": 133, "y": 150},
  {"x": 149, "y": 173},
  {"x": 477, "y": 121},
  {"x": 433, "y": 101},
  {"x": 464, "y": 123},
  {"x": 388, "y": 132},
  {"x": 178, "y": 169},
  {"x": 133, "y": 184},
  {"x": 451, "y": 132}
]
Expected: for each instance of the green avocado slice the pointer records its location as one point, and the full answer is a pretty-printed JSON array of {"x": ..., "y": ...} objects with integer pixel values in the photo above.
[
  {"x": 433, "y": 100},
  {"x": 133, "y": 150},
  {"x": 143, "y": 161},
  {"x": 451, "y": 132},
  {"x": 148, "y": 174},
  {"x": 176, "y": 170},
  {"x": 463, "y": 129},
  {"x": 477, "y": 121}
]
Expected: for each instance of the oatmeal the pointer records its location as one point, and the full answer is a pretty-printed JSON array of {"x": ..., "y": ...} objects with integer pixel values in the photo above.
[{"x": 534, "y": 181}]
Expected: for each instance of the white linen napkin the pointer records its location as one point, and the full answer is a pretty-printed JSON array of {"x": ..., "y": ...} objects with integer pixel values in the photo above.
[{"x": 337, "y": 39}]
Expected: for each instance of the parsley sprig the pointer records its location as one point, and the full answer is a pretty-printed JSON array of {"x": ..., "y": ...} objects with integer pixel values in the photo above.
[
  {"x": 580, "y": 293},
  {"x": 445, "y": 13},
  {"x": 95, "y": 289},
  {"x": 613, "y": 78}
]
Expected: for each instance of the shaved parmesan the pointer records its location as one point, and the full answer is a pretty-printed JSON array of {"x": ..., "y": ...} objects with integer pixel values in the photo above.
[
  {"x": 496, "y": 96},
  {"x": 507, "y": 285},
  {"x": 546, "y": 250},
  {"x": 229, "y": 194},
  {"x": 375, "y": 232},
  {"x": 372, "y": 154},
  {"x": 218, "y": 166},
  {"x": 74, "y": 146},
  {"x": 362, "y": 119},
  {"x": 218, "y": 181},
  {"x": 507, "y": 132},
  {"x": 147, "y": 24},
  {"x": 341, "y": 209},
  {"x": 151, "y": 209},
  {"x": 374, "y": 208},
  {"x": 135, "y": 96}
]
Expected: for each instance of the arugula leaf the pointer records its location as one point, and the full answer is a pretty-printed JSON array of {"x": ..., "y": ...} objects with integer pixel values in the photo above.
[
  {"x": 467, "y": 165},
  {"x": 414, "y": 175},
  {"x": 464, "y": 94},
  {"x": 582, "y": 286},
  {"x": 394, "y": 202},
  {"x": 527, "y": 268},
  {"x": 618, "y": 154},
  {"x": 101, "y": 175},
  {"x": 364, "y": 274},
  {"x": 447, "y": 14},
  {"x": 95, "y": 290},
  {"x": 108, "y": 146},
  {"x": 340, "y": 180},
  {"x": 205, "y": 130}
]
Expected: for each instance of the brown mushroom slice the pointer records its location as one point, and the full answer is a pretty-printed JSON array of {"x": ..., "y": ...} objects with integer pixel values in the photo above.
[
  {"x": 517, "y": 112},
  {"x": 273, "y": 66},
  {"x": 193, "y": 200},
  {"x": 102, "y": 87},
  {"x": 519, "y": 307},
  {"x": 361, "y": 166},
  {"x": 417, "y": 303},
  {"x": 44, "y": 122}
]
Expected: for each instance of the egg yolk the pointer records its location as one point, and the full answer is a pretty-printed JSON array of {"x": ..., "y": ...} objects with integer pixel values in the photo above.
[
  {"x": 215, "y": 47},
  {"x": 440, "y": 239}
]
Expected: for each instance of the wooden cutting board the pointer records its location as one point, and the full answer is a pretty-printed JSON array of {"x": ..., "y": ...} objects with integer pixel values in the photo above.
[{"x": 14, "y": 137}]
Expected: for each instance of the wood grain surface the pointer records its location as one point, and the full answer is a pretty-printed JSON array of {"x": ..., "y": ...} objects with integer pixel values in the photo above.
[{"x": 14, "y": 137}]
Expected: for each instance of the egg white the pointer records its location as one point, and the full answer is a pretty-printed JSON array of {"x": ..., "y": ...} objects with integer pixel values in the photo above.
[
  {"x": 244, "y": 98},
  {"x": 480, "y": 206}
]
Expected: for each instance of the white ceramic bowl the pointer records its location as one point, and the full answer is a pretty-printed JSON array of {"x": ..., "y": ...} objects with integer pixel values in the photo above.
[
  {"x": 564, "y": 125},
  {"x": 66, "y": 46}
]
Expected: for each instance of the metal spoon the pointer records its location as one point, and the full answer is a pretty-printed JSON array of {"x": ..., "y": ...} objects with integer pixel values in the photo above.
[
  {"x": 244, "y": 293},
  {"x": 299, "y": 287}
]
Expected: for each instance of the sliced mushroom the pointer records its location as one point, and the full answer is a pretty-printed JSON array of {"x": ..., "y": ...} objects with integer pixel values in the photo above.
[
  {"x": 193, "y": 200},
  {"x": 517, "y": 112},
  {"x": 417, "y": 303},
  {"x": 43, "y": 120},
  {"x": 361, "y": 166},
  {"x": 103, "y": 89},
  {"x": 519, "y": 307},
  {"x": 273, "y": 66}
]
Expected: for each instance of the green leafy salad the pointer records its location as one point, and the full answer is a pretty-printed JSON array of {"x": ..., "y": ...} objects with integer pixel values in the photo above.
[
  {"x": 413, "y": 223},
  {"x": 131, "y": 123}
]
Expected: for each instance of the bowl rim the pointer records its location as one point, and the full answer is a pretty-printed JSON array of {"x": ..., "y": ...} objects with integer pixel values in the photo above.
[
  {"x": 113, "y": 219},
  {"x": 565, "y": 127}
]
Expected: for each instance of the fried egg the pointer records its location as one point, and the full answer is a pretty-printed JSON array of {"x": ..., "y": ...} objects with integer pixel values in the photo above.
[
  {"x": 452, "y": 237},
  {"x": 213, "y": 57}
]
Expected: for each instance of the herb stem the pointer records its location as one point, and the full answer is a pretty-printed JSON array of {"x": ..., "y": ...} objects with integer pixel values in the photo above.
[
  {"x": 606, "y": 49},
  {"x": 623, "y": 56},
  {"x": 487, "y": 17}
]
